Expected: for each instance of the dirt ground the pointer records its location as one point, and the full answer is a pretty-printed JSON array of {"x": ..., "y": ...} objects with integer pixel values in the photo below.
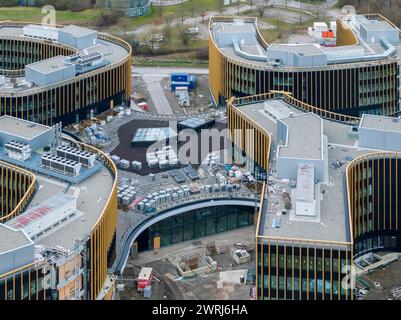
[
  {"x": 202, "y": 287},
  {"x": 170, "y": 286},
  {"x": 200, "y": 97},
  {"x": 389, "y": 278}
]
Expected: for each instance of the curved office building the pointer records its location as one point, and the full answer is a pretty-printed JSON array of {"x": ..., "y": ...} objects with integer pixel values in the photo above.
[
  {"x": 67, "y": 74},
  {"x": 17, "y": 188},
  {"x": 330, "y": 200},
  {"x": 359, "y": 75},
  {"x": 58, "y": 215},
  {"x": 131, "y": 8},
  {"x": 373, "y": 184}
]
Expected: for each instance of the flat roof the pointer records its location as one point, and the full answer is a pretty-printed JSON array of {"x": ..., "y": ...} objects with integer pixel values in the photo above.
[
  {"x": 91, "y": 197},
  {"x": 112, "y": 52},
  {"x": 226, "y": 28},
  {"x": 40, "y": 212},
  {"x": 331, "y": 220},
  {"x": 12, "y": 239},
  {"x": 50, "y": 65},
  {"x": 378, "y": 25},
  {"x": 304, "y": 137},
  {"x": 21, "y": 128},
  {"x": 77, "y": 31},
  {"x": 383, "y": 123},
  {"x": 306, "y": 49},
  {"x": 91, "y": 194}
]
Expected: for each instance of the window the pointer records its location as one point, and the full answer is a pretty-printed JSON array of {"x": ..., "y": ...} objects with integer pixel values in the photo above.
[
  {"x": 273, "y": 282},
  {"x": 273, "y": 260},
  {"x": 165, "y": 237},
  {"x": 188, "y": 217},
  {"x": 281, "y": 261},
  {"x": 178, "y": 220},
  {"x": 289, "y": 262},
  {"x": 281, "y": 283},
  {"x": 177, "y": 234},
  {"x": 210, "y": 226},
  {"x": 188, "y": 231},
  {"x": 243, "y": 219},
  {"x": 222, "y": 224},
  {"x": 199, "y": 229},
  {"x": 231, "y": 221},
  {"x": 266, "y": 281}
]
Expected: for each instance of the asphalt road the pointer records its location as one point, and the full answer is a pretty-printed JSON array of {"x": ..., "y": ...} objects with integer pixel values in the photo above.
[{"x": 157, "y": 72}]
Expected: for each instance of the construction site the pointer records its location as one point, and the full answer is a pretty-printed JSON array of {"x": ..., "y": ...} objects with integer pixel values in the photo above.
[{"x": 212, "y": 268}]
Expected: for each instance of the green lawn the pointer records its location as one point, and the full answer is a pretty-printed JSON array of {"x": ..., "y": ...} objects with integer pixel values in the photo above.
[
  {"x": 62, "y": 17},
  {"x": 158, "y": 62}
]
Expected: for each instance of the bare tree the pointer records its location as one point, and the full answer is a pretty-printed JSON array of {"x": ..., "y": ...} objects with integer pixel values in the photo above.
[
  {"x": 192, "y": 8},
  {"x": 168, "y": 18},
  {"x": 203, "y": 15},
  {"x": 160, "y": 11},
  {"x": 125, "y": 25},
  {"x": 150, "y": 39},
  {"x": 184, "y": 36},
  {"x": 261, "y": 10},
  {"x": 182, "y": 11},
  {"x": 251, "y": 4}
]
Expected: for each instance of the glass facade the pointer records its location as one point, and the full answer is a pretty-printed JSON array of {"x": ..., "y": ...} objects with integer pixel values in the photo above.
[
  {"x": 28, "y": 284},
  {"x": 373, "y": 183},
  {"x": 131, "y": 8},
  {"x": 304, "y": 271},
  {"x": 196, "y": 224},
  {"x": 348, "y": 89}
]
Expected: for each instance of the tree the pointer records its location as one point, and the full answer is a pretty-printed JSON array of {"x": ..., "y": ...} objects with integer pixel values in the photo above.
[
  {"x": 261, "y": 10},
  {"x": 108, "y": 18},
  {"x": 166, "y": 31},
  {"x": 134, "y": 42},
  {"x": 169, "y": 18},
  {"x": 203, "y": 15},
  {"x": 182, "y": 11},
  {"x": 125, "y": 25},
  {"x": 160, "y": 11},
  {"x": 192, "y": 8},
  {"x": 251, "y": 4},
  {"x": 150, "y": 39},
  {"x": 184, "y": 36}
]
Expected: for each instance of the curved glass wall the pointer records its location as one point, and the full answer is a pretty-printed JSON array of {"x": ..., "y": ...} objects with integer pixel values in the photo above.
[
  {"x": 195, "y": 224},
  {"x": 131, "y": 8}
]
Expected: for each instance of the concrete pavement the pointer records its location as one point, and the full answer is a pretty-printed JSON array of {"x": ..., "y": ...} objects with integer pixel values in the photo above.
[{"x": 153, "y": 76}]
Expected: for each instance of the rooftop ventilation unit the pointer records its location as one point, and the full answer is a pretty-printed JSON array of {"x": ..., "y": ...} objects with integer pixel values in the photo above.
[
  {"x": 88, "y": 59},
  {"x": 87, "y": 159},
  {"x": 18, "y": 150},
  {"x": 62, "y": 165}
]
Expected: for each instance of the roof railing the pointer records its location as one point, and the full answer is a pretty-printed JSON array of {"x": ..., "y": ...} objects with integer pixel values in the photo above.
[{"x": 287, "y": 97}]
